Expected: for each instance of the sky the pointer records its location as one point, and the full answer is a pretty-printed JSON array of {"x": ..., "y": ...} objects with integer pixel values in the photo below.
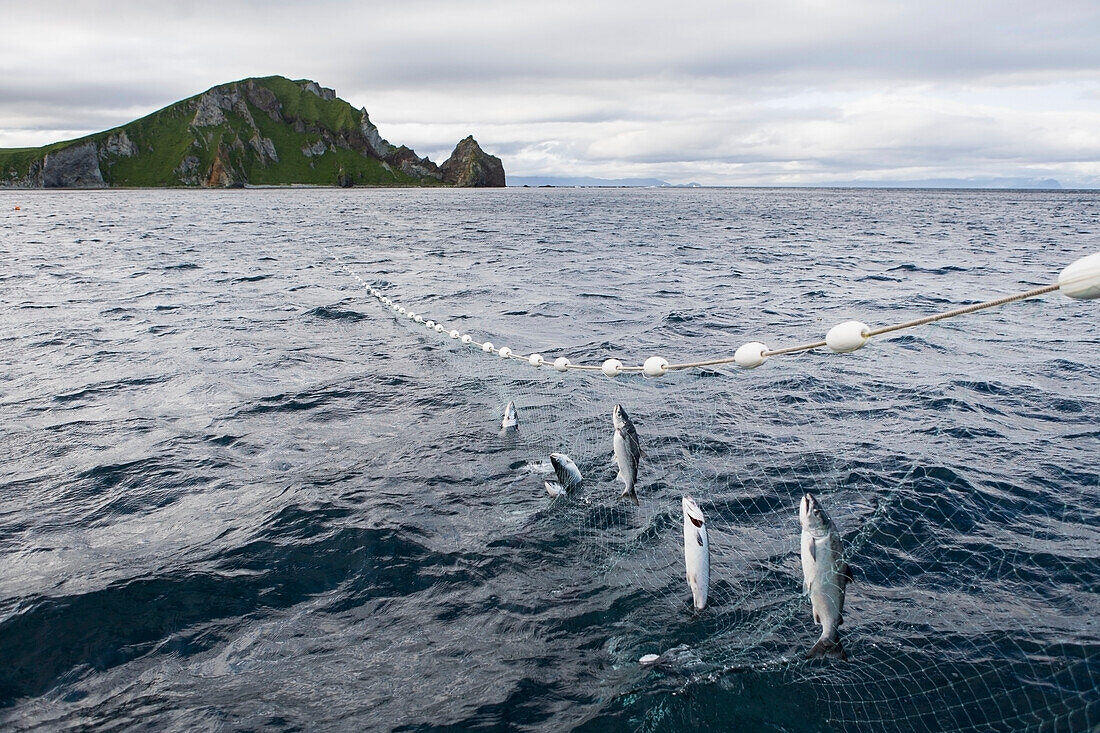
[{"x": 767, "y": 92}]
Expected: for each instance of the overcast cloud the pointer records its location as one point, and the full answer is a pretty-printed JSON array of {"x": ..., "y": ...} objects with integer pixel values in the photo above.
[{"x": 715, "y": 92}]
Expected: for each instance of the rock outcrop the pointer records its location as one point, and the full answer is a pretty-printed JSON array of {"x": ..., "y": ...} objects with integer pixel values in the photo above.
[
  {"x": 471, "y": 166},
  {"x": 264, "y": 131},
  {"x": 118, "y": 145},
  {"x": 72, "y": 167}
]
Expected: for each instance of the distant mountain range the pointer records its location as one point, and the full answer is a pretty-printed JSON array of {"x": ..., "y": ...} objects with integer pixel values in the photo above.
[
  {"x": 1009, "y": 183},
  {"x": 586, "y": 181},
  {"x": 260, "y": 131},
  {"x": 569, "y": 181}
]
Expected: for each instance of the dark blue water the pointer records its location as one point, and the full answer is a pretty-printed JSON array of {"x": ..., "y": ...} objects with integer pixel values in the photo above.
[{"x": 238, "y": 494}]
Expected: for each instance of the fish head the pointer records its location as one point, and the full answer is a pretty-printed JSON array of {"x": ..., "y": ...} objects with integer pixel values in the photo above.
[
  {"x": 812, "y": 516},
  {"x": 510, "y": 420},
  {"x": 692, "y": 512},
  {"x": 618, "y": 416},
  {"x": 568, "y": 473}
]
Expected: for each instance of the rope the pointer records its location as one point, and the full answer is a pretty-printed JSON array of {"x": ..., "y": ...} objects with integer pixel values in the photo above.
[
  {"x": 964, "y": 310},
  {"x": 845, "y": 337}
]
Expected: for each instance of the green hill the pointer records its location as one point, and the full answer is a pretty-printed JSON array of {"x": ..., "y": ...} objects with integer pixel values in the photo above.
[{"x": 263, "y": 131}]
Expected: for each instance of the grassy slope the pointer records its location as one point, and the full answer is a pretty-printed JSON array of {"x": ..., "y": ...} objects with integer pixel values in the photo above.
[{"x": 164, "y": 138}]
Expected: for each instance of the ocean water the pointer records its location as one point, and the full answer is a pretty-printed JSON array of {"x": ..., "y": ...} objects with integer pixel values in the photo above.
[{"x": 238, "y": 494}]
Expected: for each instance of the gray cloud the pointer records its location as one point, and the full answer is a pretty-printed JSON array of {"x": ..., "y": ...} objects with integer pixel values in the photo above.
[{"x": 720, "y": 92}]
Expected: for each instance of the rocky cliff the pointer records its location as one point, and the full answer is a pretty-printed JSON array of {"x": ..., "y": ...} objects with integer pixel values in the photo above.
[
  {"x": 264, "y": 131},
  {"x": 469, "y": 165}
]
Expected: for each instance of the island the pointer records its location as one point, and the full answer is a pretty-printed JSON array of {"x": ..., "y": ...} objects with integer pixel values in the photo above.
[{"x": 267, "y": 131}]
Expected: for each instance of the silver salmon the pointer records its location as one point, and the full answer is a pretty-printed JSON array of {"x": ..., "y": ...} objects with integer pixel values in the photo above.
[
  {"x": 825, "y": 575},
  {"x": 628, "y": 452},
  {"x": 696, "y": 552}
]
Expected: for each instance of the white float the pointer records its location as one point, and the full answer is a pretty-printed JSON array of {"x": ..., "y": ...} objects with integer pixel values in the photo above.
[
  {"x": 750, "y": 355},
  {"x": 847, "y": 336},
  {"x": 1081, "y": 279},
  {"x": 655, "y": 366}
]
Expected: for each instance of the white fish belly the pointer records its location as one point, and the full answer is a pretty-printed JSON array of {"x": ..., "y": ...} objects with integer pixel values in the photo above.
[
  {"x": 809, "y": 565},
  {"x": 697, "y": 562}
]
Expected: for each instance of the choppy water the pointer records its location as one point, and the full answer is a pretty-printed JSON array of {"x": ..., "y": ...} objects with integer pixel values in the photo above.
[{"x": 237, "y": 494}]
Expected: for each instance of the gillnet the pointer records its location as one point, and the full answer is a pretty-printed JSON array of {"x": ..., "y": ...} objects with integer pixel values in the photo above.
[
  {"x": 958, "y": 464},
  {"x": 975, "y": 587}
]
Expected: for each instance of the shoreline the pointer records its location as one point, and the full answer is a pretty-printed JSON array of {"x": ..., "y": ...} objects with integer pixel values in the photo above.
[{"x": 318, "y": 187}]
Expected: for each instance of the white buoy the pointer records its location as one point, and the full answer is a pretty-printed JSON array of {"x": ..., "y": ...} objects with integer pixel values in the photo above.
[
  {"x": 417, "y": 318},
  {"x": 612, "y": 367},
  {"x": 535, "y": 360},
  {"x": 401, "y": 310},
  {"x": 655, "y": 366},
  {"x": 847, "y": 336},
  {"x": 561, "y": 363},
  {"x": 467, "y": 339},
  {"x": 1081, "y": 279},
  {"x": 429, "y": 324},
  {"x": 750, "y": 355},
  {"x": 454, "y": 334},
  {"x": 487, "y": 347},
  {"x": 504, "y": 352},
  {"x": 439, "y": 328}
]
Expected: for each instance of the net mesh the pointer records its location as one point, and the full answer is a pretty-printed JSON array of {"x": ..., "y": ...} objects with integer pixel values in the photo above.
[{"x": 965, "y": 491}]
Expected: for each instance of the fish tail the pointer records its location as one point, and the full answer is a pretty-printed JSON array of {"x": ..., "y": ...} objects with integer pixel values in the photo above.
[
  {"x": 831, "y": 648},
  {"x": 629, "y": 493}
]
